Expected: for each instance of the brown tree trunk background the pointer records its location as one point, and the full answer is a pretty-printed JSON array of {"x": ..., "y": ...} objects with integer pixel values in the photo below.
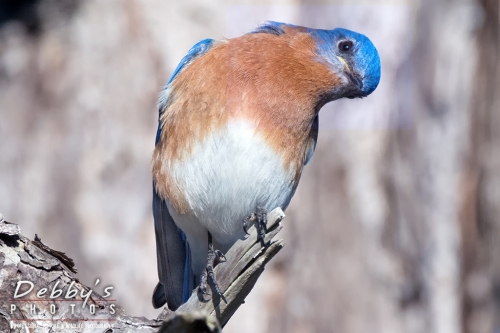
[{"x": 395, "y": 226}]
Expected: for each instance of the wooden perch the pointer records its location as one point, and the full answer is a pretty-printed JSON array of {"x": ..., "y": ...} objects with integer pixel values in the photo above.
[{"x": 43, "y": 268}]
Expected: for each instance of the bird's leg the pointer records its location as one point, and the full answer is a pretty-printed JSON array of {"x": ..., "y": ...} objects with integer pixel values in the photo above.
[
  {"x": 212, "y": 257},
  {"x": 261, "y": 224},
  {"x": 260, "y": 217}
]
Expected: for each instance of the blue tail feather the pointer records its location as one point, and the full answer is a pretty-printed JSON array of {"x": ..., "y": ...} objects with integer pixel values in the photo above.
[{"x": 173, "y": 257}]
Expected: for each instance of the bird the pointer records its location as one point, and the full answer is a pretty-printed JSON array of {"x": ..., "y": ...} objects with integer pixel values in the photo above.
[{"x": 238, "y": 121}]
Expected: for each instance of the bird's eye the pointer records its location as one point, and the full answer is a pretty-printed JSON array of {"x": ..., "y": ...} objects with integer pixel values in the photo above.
[{"x": 345, "y": 46}]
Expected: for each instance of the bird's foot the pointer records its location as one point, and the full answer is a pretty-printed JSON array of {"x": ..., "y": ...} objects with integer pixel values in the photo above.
[
  {"x": 260, "y": 218},
  {"x": 213, "y": 257}
]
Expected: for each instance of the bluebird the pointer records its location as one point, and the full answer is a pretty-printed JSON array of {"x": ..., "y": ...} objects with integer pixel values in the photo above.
[{"x": 238, "y": 120}]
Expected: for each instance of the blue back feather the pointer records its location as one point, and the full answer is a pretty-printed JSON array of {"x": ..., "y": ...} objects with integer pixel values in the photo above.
[{"x": 270, "y": 27}]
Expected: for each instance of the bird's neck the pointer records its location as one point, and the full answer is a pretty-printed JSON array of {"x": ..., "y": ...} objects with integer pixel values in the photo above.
[{"x": 280, "y": 84}]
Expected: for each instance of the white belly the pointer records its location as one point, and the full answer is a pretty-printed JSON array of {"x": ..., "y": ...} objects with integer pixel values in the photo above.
[{"x": 224, "y": 180}]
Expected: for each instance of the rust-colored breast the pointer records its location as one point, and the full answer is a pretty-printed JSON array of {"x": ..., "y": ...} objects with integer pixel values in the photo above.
[
  {"x": 278, "y": 81},
  {"x": 274, "y": 81}
]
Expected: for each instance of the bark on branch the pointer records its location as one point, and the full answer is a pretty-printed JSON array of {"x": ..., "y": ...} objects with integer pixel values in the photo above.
[{"x": 24, "y": 260}]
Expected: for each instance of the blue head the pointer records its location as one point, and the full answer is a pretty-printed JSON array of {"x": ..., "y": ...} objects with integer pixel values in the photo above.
[
  {"x": 353, "y": 57},
  {"x": 350, "y": 55}
]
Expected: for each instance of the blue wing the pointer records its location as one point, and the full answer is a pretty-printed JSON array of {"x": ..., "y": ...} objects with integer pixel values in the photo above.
[
  {"x": 172, "y": 248},
  {"x": 196, "y": 51}
]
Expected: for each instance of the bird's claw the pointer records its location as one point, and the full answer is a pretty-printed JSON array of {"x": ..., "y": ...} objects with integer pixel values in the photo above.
[
  {"x": 246, "y": 222},
  {"x": 260, "y": 217},
  {"x": 203, "y": 287},
  {"x": 220, "y": 256}
]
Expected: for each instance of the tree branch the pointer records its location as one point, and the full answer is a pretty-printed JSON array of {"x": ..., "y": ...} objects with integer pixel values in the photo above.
[{"x": 79, "y": 309}]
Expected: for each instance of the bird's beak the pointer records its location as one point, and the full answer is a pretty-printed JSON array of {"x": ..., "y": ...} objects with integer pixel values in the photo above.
[
  {"x": 353, "y": 77},
  {"x": 346, "y": 65}
]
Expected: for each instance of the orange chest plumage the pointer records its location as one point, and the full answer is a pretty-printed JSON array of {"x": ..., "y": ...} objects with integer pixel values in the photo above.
[{"x": 270, "y": 85}]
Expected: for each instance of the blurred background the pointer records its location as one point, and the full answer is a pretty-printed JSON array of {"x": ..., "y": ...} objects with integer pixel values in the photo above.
[{"x": 395, "y": 226}]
